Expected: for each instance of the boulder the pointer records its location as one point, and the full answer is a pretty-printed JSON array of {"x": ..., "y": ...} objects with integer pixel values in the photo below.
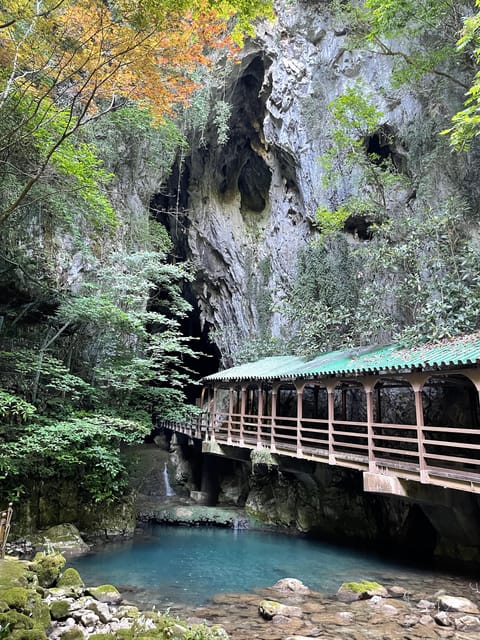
[
  {"x": 62, "y": 538},
  {"x": 467, "y": 623},
  {"x": 291, "y": 585},
  {"x": 443, "y": 619},
  {"x": 351, "y": 591},
  {"x": 70, "y": 578},
  {"x": 268, "y": 609},
  {"x": 457, "y": 604},
  {"x": 105, "y": 593}
]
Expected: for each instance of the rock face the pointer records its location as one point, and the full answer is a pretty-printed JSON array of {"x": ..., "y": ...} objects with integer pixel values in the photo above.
[{"x": 251, "y": 202}]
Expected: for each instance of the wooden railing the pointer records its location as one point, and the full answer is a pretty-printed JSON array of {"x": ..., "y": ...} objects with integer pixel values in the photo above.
[
  {"x": 5, "y": 520},
  {"x": 445, "y": 456}
]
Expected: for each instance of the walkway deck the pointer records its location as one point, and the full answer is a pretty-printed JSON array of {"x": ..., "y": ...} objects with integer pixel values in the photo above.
[{"x": 393, "y": 413}]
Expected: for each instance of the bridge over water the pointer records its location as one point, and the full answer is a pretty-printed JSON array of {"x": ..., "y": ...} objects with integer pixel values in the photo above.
[{"x": 394, "y": 413}]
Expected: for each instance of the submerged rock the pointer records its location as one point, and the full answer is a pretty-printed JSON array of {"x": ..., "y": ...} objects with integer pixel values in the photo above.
[
  {"x": 269, "y": 609},
  {"x": 291, "y": 585},
  {"x": 351, "y": 591},
  {"x": 452, "y": 603}
]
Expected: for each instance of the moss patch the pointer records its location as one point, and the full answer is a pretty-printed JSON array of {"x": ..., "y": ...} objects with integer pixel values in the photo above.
[
  {"x": 72, "y": 634},
  {"x": 15, "y": 598},
  {"x": 29, "y": 634},
  {"x": 48, "y": 567},
  {"x": 362, "y": 587},
  {"x": 13, "y": 572},
  {"x": 70, "y": 578},
  {"x": 15, "y": 620},
  {"x": 59, "y": 609}
]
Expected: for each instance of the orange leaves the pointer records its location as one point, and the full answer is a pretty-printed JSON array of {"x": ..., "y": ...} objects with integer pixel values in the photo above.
[{"x": 88, "y": 54}]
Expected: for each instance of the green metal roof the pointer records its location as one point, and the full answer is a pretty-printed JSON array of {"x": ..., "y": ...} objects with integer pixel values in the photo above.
[{"x": 454, "y": 352}]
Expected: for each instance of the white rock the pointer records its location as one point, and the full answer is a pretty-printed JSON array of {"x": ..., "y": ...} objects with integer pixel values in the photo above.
[
  {"x": 89, "y": 619},
  {"x": 453, "y": 603}
]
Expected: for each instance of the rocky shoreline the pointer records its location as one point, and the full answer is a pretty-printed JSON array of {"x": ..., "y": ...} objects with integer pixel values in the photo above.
[{"x": 40, "y": 600}]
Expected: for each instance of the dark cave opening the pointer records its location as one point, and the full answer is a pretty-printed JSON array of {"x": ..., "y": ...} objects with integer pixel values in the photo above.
[
  {"x": 254, "y": 184},
  {"x": 384, "y": 148},
  {"x": 209, "y": 360}
]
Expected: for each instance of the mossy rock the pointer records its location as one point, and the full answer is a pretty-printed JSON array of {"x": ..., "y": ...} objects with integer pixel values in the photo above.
[
  {"x": 269, "y": 608},
  {"x": 128, "y": 611},
  {"x": 29, "y": 634},
  {"x": 16, "y": 620},
  {"x": 70, "y": 578},
  {"x": 38, "y": 610},
  {"x": 105, "y": 593},
  {"x": 15, "y": 598},
  {"x": 13, "y": 573},
  {"x": 102, "y": 636},
  {"x": 48, "y": 567},
  {"x": 59, "y": 609},
  {"x": 351, "y": 591},
  {"x": 61, "y": 537},
  {"x": 72, "y": 634}
]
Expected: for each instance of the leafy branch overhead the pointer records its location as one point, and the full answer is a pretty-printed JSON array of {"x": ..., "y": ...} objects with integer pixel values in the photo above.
[{"x": 65, "y": 63}]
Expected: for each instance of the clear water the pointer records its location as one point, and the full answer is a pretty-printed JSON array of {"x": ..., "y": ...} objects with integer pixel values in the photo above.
[{"x": 186, "y": 566}]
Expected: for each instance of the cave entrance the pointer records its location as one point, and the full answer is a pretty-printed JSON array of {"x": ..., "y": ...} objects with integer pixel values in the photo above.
[{"x": 193, "y": 327}]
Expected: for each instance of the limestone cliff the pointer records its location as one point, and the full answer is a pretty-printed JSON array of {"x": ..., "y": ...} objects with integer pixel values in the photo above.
[{"x": 251, "y": 203}]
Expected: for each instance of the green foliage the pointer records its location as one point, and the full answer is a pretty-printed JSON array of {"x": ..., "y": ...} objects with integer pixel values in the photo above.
[
  {"x": 130, "y": 135},
  {"x": 203, "y": 632},
  {"x": 128, "y": 361},
  {"x": 417, "y": 279},
  {"x": 370, "y": 179},
  {"x": 85, "y": 449},
  {"x": 466, "y": 123},
  {"x": 13, "y": 409},
  {"x": 419, "y": 36}
]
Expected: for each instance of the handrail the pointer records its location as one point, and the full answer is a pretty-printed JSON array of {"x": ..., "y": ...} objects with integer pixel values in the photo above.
[
  {"x": 5, "y": 520},
  {"x": 409, "y": 448}
]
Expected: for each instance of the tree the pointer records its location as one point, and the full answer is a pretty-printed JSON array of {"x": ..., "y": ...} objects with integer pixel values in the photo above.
[
  {"x": 466, "y": 123},
  {"x": 419, "y": 35},
  {"x": 65, "y": 63}
]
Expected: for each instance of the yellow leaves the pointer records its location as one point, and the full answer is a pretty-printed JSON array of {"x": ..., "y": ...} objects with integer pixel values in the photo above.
[{"x": 89, "y": 52}]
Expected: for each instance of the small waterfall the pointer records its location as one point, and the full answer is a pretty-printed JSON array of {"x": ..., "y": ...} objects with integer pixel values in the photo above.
[{"x": 168, "y": 489}]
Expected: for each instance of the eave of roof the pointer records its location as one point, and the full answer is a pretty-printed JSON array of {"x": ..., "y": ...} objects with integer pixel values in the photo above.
[{"x": 461, "y": 351}]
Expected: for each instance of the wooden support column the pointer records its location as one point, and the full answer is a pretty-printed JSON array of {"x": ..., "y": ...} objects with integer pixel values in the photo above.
[
  {"x": 230, "y": 411},
  {"x": 417, "y": 381},
  {"x": 372, "y": 467},
  {"x": 243, "y": 407},
  {"x": 274, "y": 417},
  {"x": 259, "y": 415},
  {"x": 331, "y": 418},
  {"x": 202, "y": 414},
  {"x": 214, "y": 413},
  {"x": 299, "y": 420}
]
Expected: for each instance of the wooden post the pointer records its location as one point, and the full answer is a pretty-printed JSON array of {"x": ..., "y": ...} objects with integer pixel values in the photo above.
[
  {"x": 5, "y": 520},
  {"x": 274, "y": 416},
  {"x": 331, "y": 418},
  {"x": 417, "y": 381},
  {"x": 214, "y": 413},
  {"x": 299, "y": 420},
  {"x": 371, "y": 448},
  {"x": 230, "y": 411},
  {"x": 243, "y": 406},
  {"x": 259, "y": 415}
]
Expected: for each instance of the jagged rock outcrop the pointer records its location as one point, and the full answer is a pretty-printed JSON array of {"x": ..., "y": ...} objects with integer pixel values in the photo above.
[{"x": 251, "y": 202}]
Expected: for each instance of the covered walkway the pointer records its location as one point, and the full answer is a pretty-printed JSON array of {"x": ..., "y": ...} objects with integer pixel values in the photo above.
[{"x": 392, "y": 412}]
